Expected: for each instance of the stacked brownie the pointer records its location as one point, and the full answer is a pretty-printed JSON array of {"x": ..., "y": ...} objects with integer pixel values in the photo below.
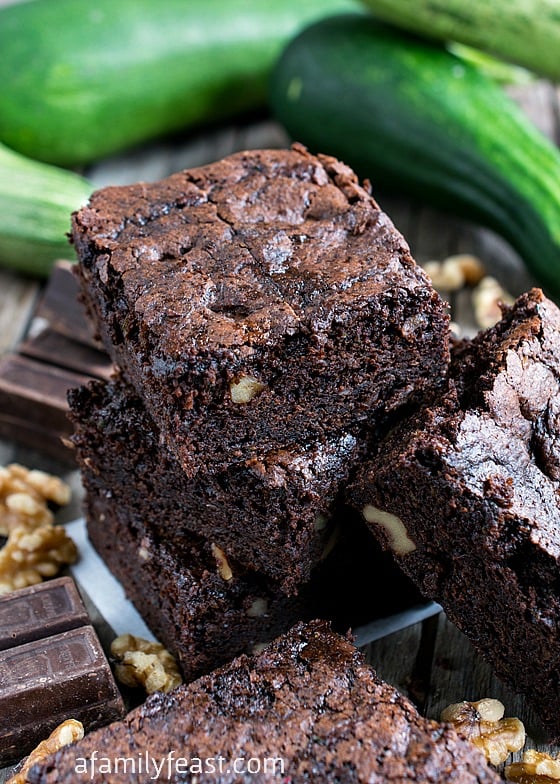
[
  {"x": 259, "y": 302},
  {"x": 141, "y": 529},
  {"x": 268, "y": 322},
  {"x": 478, "y": 528}
]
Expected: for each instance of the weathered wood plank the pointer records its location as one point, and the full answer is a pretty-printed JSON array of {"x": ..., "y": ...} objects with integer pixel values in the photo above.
[{"x": 403, "y": 659}]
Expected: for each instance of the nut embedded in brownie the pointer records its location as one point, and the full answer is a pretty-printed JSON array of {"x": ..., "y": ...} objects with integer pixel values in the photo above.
[
  {"x": 258, "y": 302},
  {"x": 478, "y": 528}
]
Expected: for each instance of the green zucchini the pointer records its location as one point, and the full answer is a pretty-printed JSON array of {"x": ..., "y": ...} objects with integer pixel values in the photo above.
[
  {"x": 81, "y": 80},
  {"x": 36, "y": 201},
  {"x": 526, "y": 32},
  {"x": 413, "y": 117}
]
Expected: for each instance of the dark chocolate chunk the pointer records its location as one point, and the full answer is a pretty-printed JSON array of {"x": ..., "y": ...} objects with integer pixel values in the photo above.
[
  {"x": 33, "y": 404},
  {"x": 60, "y": 309},
  {"x": 49, "y": 346},
  {"x": 45, "y": 682},
  {"x": 58, "y": 352},
  {"x": 40, "y": 611},
  {"x": 59, "y": 332}
]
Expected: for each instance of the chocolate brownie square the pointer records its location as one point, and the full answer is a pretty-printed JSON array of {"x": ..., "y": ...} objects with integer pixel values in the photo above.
[
  {"x": 467, "y": 495},
  {"x": 205, "y": 606},
  {"x": 306, "y": 709},
  {"x": 258, "y": 302},
  {"x": 275, "y": 515},
  {"x": 206, "y": 616}
]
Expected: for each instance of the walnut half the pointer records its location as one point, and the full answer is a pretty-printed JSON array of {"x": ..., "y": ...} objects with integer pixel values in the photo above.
[
  {"x": 244, "y": 388},
  {"x": 144, "y": 663},
  {"x": 24, "y": 496},
  {"x": 397, "y": 535},
  {"x": 486, "y": 299},
  {"x": 536, "y": 767},
  {"x": 66, "y": 733},
  {"x": 224, "y": 569},
  {"x": 455, "y": 272},
  {"x": 483, "y": 724},
  {"x": 29, "y": 556}
]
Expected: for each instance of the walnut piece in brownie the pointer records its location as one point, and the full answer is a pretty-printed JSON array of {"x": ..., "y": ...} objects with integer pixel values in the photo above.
[
  {"x": 478, "y": 524},
  {"x": 257, "y": 302},
  {"x": 308, "y": 701}
]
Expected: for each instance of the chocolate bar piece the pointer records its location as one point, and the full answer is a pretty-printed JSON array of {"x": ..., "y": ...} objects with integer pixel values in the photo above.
[
  {"x": 51, "y": 347},
  {"x": 59, "y": 351},
  {"x": 33, "y": 404},
  {"x": 60, "y": 310},
  {"x": 40, "y": 611},
  {"x": 59, "y": 332},
  {"x": 52, "y": 667},
  {"x": 46, "y": 681}
]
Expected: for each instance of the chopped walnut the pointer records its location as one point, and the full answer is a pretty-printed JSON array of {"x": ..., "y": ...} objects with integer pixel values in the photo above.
[
  {"x": 24, "y": 494},
  {"x": 245, "y": 388},
  {"x": 397, "y": 535},
  {"x": 29, "y": 556},
  {"x": 224, "y": 569},
  {"x": 471, "y": 267},
  {"x": 66, "y": 733},
  {"x": 483, "y": 724},
  {"x": 536, "y": 767},
  {"x": 445, "y": 276},
  {"x": 467, "y": 716},
  {"x": 486, "y": 300},
  {"x": 144, "y": 663},
  {"x": 455, "y": 272}
]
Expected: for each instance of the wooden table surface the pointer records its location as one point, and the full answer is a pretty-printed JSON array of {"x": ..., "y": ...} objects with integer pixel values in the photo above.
[{"x": 431, "y": 661}]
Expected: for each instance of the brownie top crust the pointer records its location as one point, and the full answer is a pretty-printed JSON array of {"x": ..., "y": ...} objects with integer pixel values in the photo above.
[
  {"x": 308, "y": 700},
  {"x": 245, "y": 251},
  {"x": 507, "y": 443}
]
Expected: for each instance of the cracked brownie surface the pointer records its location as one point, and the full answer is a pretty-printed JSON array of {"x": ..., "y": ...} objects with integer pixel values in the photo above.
[
  {"x": 257, "y": 302},
  {"x": 308, "y": 700},
  {"x": 478, "y": 528}
]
